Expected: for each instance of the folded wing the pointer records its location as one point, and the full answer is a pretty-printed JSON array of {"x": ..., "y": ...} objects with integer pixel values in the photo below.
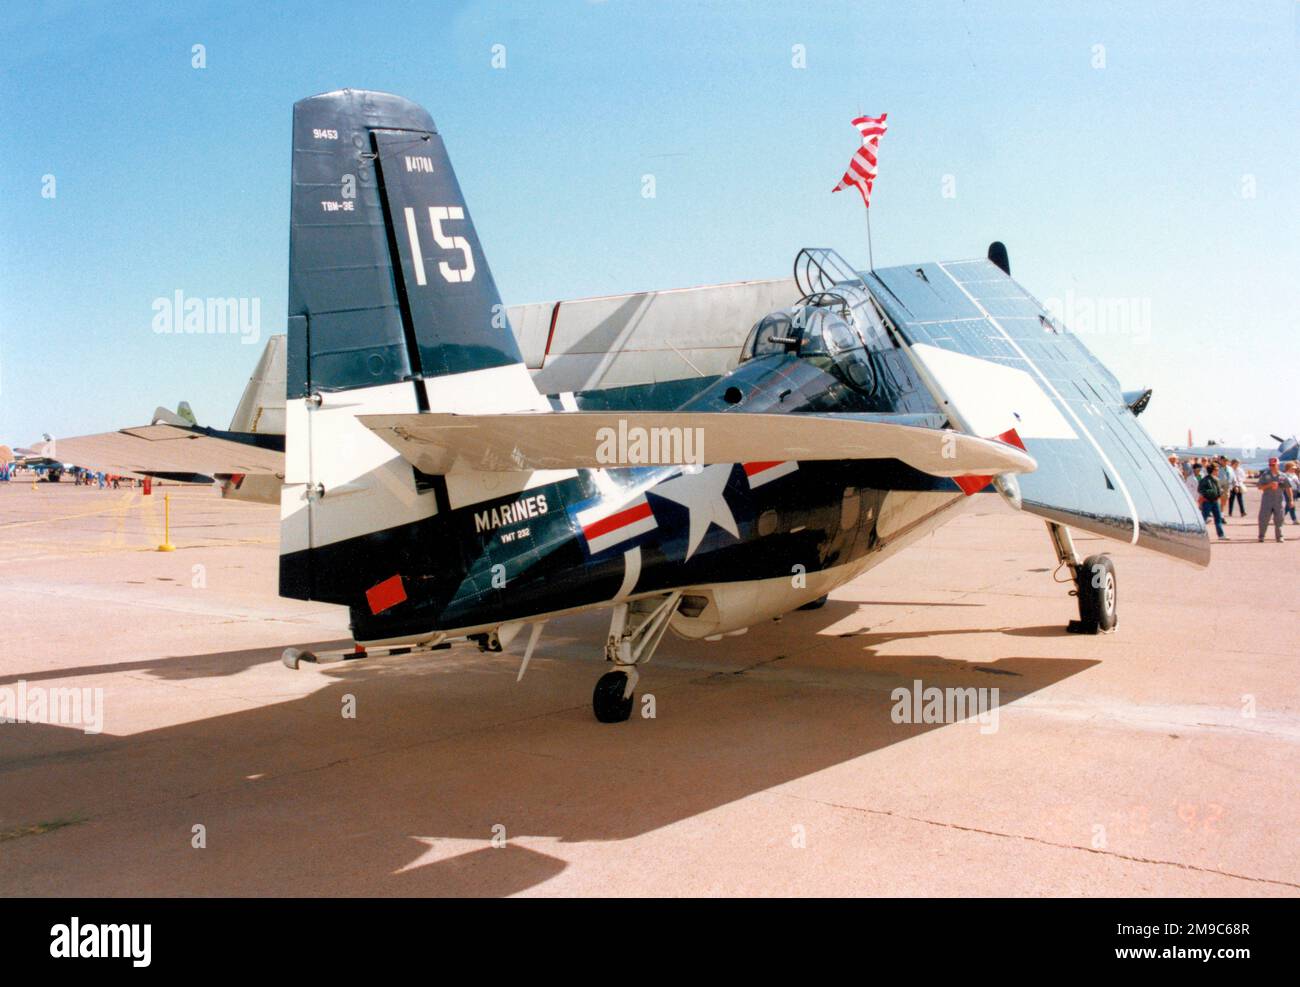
[
  {"x": 166, "y": 448},
  {"x": 996, "y": 359},
  {"x": 441, "y": 443}
]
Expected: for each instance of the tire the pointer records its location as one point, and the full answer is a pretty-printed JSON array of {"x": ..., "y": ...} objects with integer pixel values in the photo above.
[
  {"x": 1098, "y": 592},
  {"x": 816, "y": 604},
  {"x": 607, "y": 700}
]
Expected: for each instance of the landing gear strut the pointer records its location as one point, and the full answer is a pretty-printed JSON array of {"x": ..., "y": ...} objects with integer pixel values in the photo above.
[
  {"x": 1094, "y": 584},
  {"x": 635, "y": 630}
]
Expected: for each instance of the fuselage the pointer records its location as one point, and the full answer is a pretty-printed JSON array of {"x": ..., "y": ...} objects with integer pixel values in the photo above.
[{"x": 789, "y": 531}]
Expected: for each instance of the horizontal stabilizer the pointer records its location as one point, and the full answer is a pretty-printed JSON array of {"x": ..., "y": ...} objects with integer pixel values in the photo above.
[
  {"x": 174, "y": 449},
  {"x": 439, "y": 443}
]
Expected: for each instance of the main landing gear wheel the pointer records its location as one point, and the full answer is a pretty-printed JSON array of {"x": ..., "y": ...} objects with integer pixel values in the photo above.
[
  {"x": 608, "y": 700},
  {"x": 816, "y": 604},
  {"x": 1098, "y": 592},
  {"x": 635, "y": 629}
]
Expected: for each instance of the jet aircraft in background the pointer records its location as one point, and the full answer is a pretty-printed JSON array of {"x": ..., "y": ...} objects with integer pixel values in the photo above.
[{"x": 1251, "y": 457}]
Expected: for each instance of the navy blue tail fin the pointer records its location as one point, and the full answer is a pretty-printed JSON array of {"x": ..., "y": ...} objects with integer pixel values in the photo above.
[
  {"x": 387, "y": 278},
  {"x": 392, "y": 310}
]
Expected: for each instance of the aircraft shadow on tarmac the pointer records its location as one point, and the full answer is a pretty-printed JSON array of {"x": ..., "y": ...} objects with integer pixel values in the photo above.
[
  {"x": 403, "y": 799},
  {"x": 172, "y": 667}
]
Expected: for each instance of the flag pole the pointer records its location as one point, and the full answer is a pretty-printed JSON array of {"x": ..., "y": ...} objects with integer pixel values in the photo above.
[
  {"x": 871, "y": 258},
  {"x": 862, "y": 170}
]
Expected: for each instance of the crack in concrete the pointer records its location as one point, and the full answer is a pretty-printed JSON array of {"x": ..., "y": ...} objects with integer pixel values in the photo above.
[
  {"x": 1042, "y": 842},
  {"x": 724, "y": 673}
]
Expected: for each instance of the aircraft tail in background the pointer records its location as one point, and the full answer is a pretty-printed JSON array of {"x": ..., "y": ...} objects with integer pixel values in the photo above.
[{"x": 261, "y": 407}]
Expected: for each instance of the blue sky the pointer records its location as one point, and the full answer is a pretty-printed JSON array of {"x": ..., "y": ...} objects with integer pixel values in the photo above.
[{"x": 1156, "y": 173}]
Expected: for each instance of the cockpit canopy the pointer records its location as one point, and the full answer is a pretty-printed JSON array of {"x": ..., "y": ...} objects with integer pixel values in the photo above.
[{"x": 836, "y": 329}]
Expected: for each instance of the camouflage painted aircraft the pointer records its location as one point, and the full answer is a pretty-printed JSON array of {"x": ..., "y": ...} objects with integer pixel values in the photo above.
[{"x": 696, "y": 460}]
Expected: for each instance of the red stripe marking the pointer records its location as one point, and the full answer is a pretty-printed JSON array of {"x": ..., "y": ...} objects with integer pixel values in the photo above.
[
  {"x": 605, "y": 525},
  {"x": 387, "y": 594},
  {"x": 752, "y": 468},
  {"x": 551, "y": 334}
]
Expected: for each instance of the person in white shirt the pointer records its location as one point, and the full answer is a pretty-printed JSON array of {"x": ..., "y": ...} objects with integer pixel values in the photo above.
[
  {"x": 1293, "y": 478},
  {"x": 1237, "y": 495}
]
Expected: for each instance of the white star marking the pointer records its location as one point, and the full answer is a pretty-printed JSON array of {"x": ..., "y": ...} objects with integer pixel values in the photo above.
[
  {"x": 439, "y": 849},
  {"x": 700, "y": 492}
]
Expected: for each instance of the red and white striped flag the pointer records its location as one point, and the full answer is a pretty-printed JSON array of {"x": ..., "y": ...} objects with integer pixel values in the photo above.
[{"x": 862, "y": 169}]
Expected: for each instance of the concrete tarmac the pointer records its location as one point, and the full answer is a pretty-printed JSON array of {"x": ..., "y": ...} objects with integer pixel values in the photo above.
[{"x": 1160, "y": 760}]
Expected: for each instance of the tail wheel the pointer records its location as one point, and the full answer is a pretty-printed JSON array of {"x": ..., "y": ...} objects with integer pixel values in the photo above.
[
  {"x": 608, "y": 701},
  {"x": 1098, "y": 594}
]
